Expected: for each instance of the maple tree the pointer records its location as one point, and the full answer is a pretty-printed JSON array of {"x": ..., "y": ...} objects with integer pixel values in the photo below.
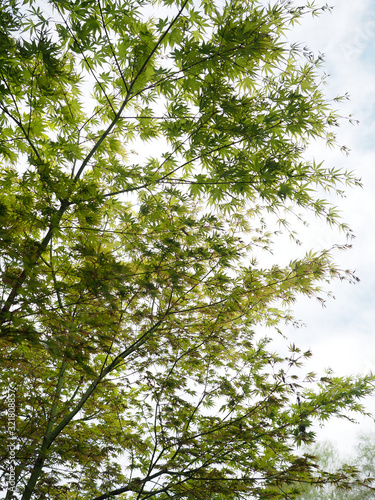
[{"x": 143, "y": 145}]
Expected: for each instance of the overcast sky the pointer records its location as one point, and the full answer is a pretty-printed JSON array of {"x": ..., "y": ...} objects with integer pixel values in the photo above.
[{"x": 342, "y": 335}]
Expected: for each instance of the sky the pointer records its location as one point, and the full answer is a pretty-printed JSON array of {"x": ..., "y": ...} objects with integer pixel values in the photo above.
[{"x": 342, "y": 335}]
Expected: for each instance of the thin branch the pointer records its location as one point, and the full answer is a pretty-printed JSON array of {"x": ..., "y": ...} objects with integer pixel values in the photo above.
[
  {"x": 18, "y": 121},
  {"x": 164, "y": 177},
  {"x": 128, "y": 97},
  {"x": 111, "y": 47},
  {"x": 85, "y": 59}
]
